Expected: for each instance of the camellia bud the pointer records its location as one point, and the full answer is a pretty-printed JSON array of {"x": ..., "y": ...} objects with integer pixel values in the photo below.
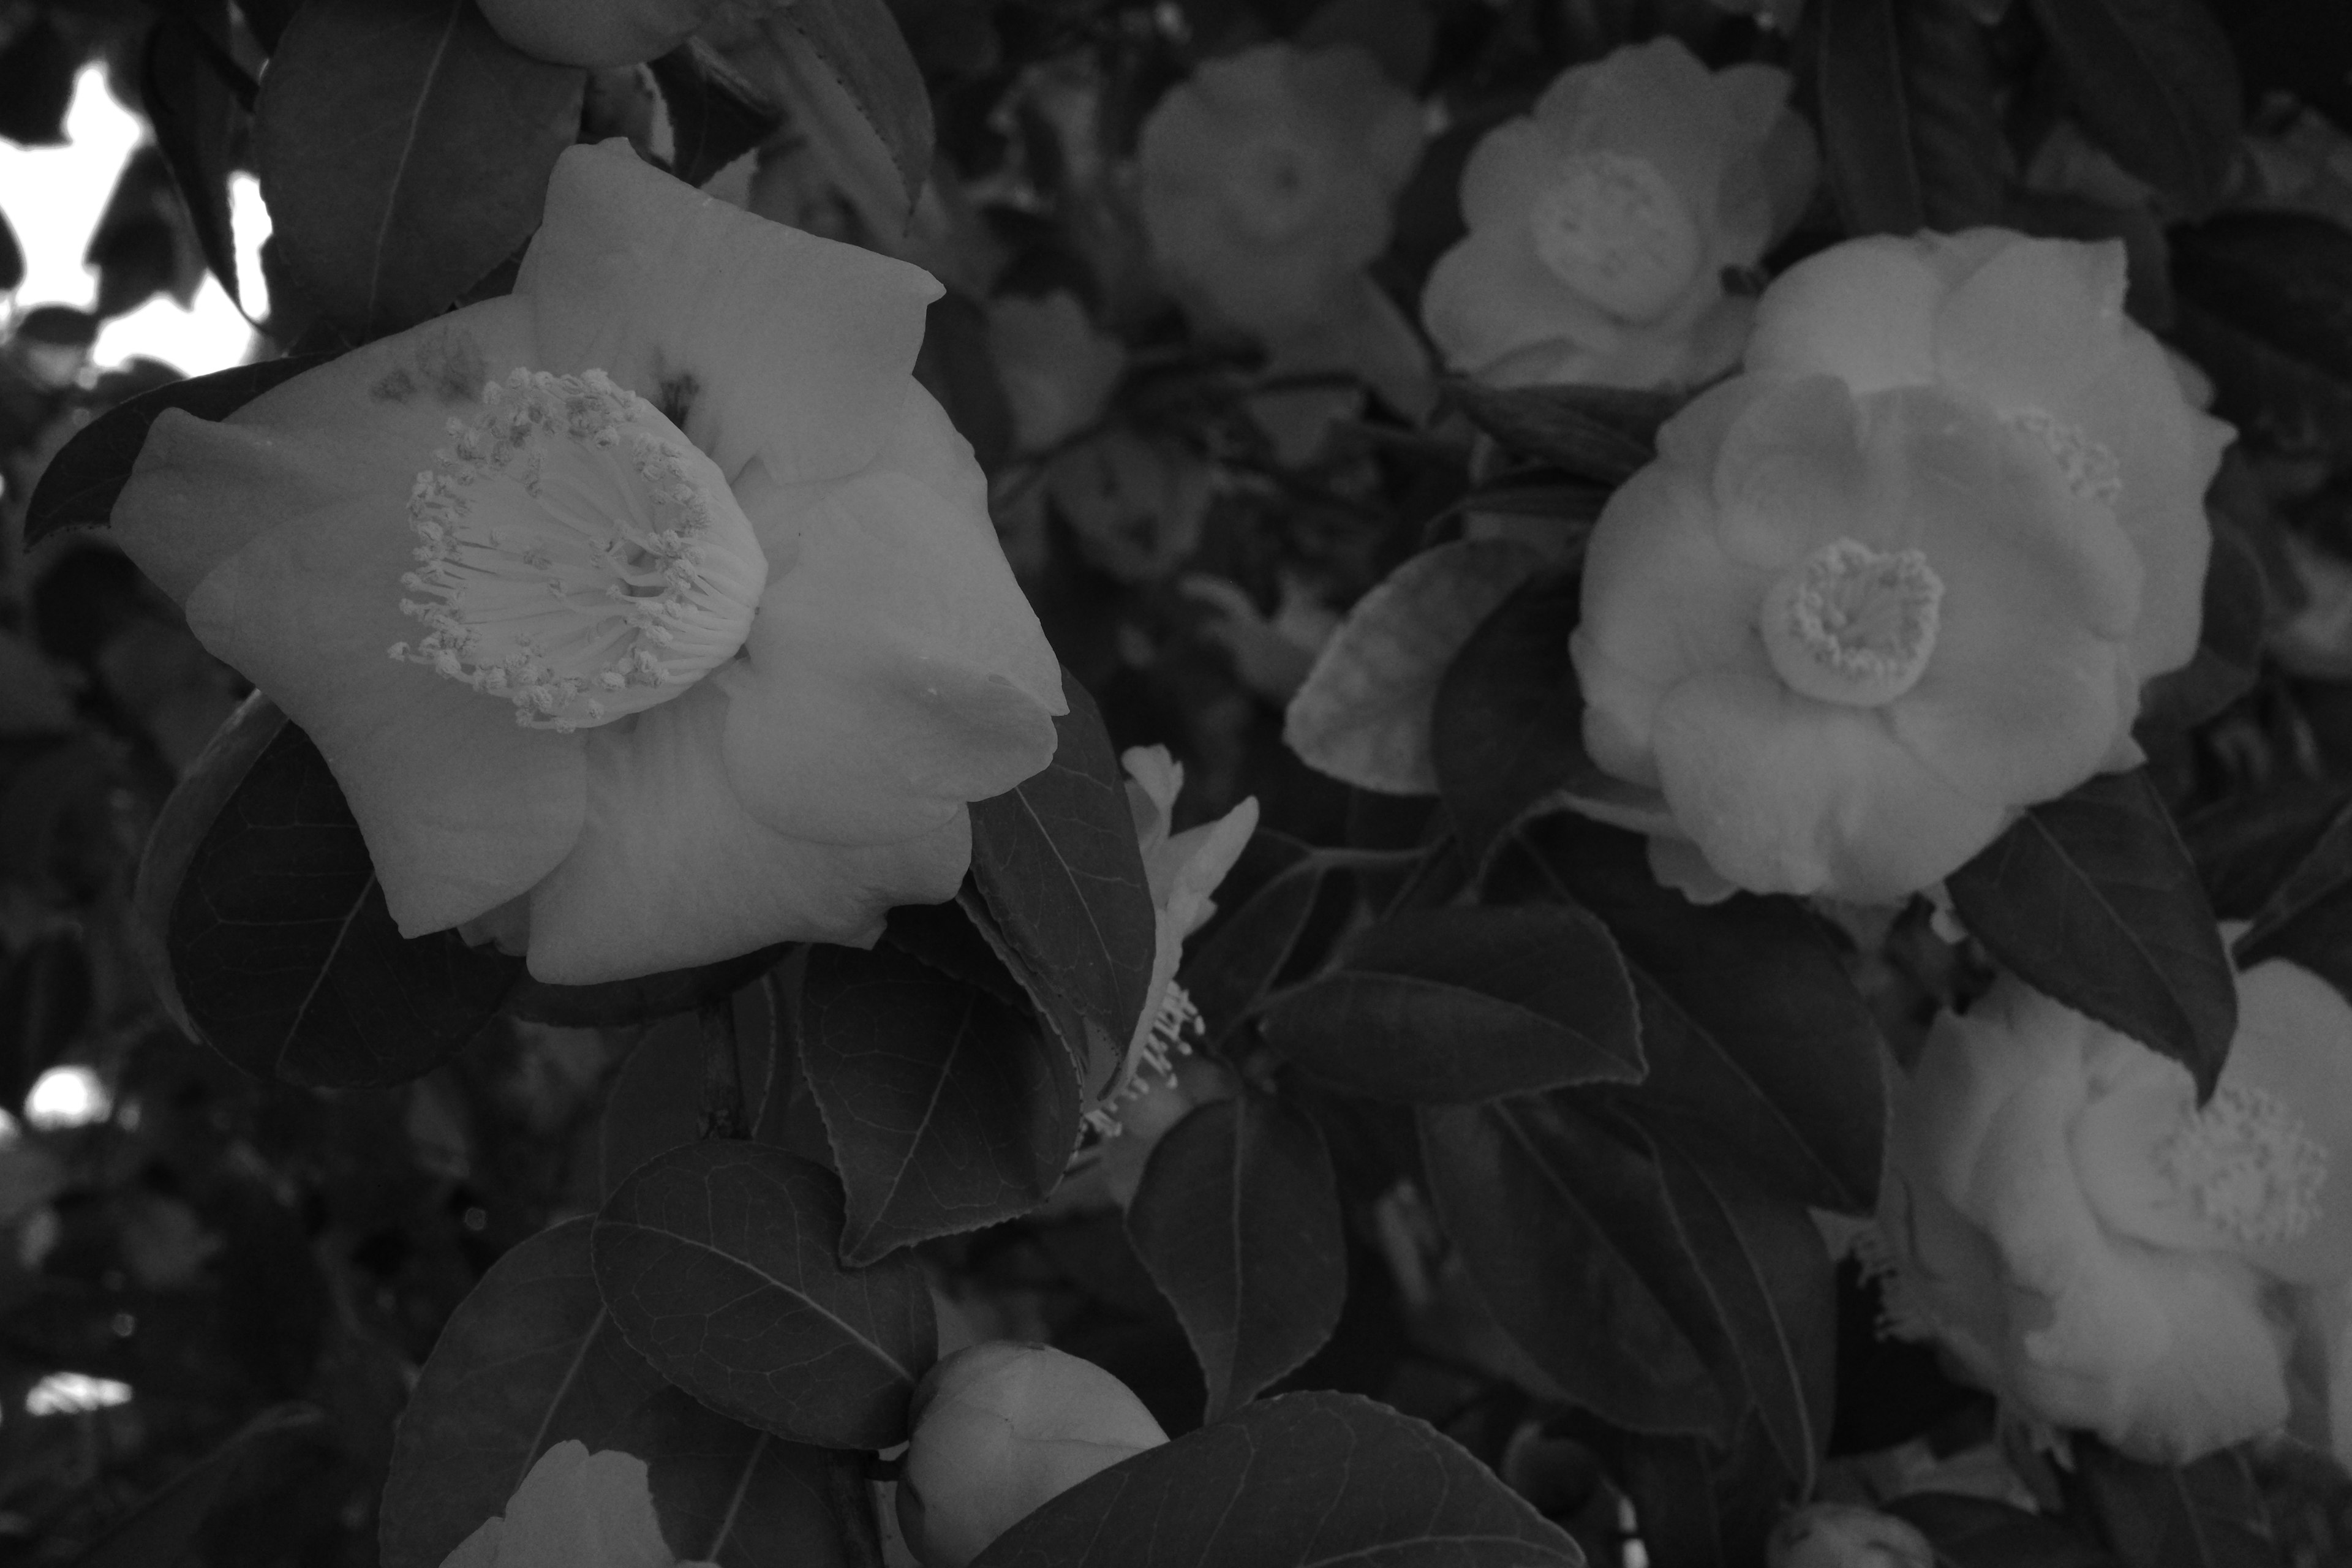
[
  {"x": 1842, "y": 1535},
  {"x": 1001, "y": 1429}
]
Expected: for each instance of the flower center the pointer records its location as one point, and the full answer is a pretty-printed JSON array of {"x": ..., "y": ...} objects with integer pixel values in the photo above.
[
  {"x": 1158, "y": 1041},
  {"x": 1275, "y": 193},
  {"x": 2247, "y": 1165},
  {"x": 2090, "y": 469},
  {"x": 1611, "y": 228},
  {"x": 1853, "y": 625},
  {"x": 577, "y": 556}
]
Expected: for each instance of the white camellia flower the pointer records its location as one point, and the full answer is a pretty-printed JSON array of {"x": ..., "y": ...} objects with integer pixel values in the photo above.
[{"x": 2098, "y": 1249}]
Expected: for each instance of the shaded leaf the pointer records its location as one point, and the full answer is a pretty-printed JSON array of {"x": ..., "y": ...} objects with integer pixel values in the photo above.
[
  {"x": 2306, "y": 916},
  {"x": 1447, "y": 1006},
  {"x": 2155, "y": 84},
  {"x": 278, "y": 944},
  {"x": 948, "y": 1107},
  {"x": 1977, "y": 1532},
  {"x": 1237, "y": 1219},
  {"x": 641, "y": 1000},
  {"x": 720, "y": 1262},
  {"x": 2265, "y": 306},
  {"x": 1304, "y": 1478},
  {"x": 1700, "y": 1504},
  {"x": 1603, "y": 433},
  {"x": 2209, "y": 1514},
  {"x": 1911, "y": 132},
  {"x": 715, "y": 116},
  {"x": 860, "y": 43},
  {"x": 197, "y": 116},
  {"x": 2236, "y": 614},
  {"x": 1752, "y": 1029},
  {"x": 1570, "y": 1239},
  {"x": 12, "y": 257},
  {"x": 164, "y": 1529},
  {"x": 1265, "y": 905},
  {"x": 37, "y": 63},
  {"x": 80, "y": 486},
  {"x": 1056, "y": 865},
  {"x": 2092, "y": 899},
  {"x": 1364, "y": 715},
  {"x": 393, "y": 187}
]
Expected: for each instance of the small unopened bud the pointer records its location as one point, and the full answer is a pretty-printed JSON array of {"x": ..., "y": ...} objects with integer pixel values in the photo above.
[
  {"x": 1841, "y": 1535},
  {"x": 1001, "y": 1429}
]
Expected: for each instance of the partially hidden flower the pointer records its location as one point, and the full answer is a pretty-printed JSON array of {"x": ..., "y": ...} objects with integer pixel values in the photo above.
[
  {"x": 1057, "y": 367},
  {"x": 2099, "y": 1249},
  {"x": 1267, "y": 183},
  {"x": 1001, "y": 1429},
  {"x": 1601, "y": 224},
  {"x": 575, "y": 1510},
  {"x": 1183, "y": 870},
  {"x": 647, "y": 615},
  {"x": 1905, "y": 575}
]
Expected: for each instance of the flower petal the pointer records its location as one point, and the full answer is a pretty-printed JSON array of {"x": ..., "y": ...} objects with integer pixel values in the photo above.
[
  {"x": 772, "y": 343},
  {"x": 1656, "y": 102},
  {"x": 895, "y": 673},
  {"x": 1863, "y": 312},
  {"x": 1490, "y": 297},
  {"x": 2038, "y": 322},
  {"x": 461, "y": 807},
  {"x": 364, "y": 424},
  {"x": 1511, "y": 166},
  {"x": 576, "y": 1508},
  {"x": 672, "y": 871},
  {"x": 1786, "y": 795}
]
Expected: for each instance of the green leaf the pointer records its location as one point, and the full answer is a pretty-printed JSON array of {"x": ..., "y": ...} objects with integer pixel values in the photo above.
[
  {"x": 167, "y": 1526},
  {"x": 274, "y": 932},
  {"x": 2265, "y": 306},
  {"x": 2092, "y": 899},
  {"x": 1366, "y": 711},
  {"x": 715, "y": 116},
  {"x": 1604, "y": 432},
  {"x": 948, "y": 1107},
  {"x": 2155, "y": 84},
  {"x": 1977, "y": 1532},
  {"x": 197, "y": 119},
  {"x": 1701, "y": 1504},
  {"x": 720, "y": 1264},
  {"x": 1237, "y": 1219},
  {"x": 2206, "y": 1515},
  {"x": 1265, "y": 904},
  {"x": 2306, "y": 918},
  {"x": 80, "y": 486},
  {"x": 531, "y": 1359},
  {"x": 641, "y": 1000},
  {"x": 404, "y": 150},
  {"x": 1751, "y": 1027},
  {"x": 1456, "y": 1006},
  {"x": 2236, "y": 615},
  {"x": 1570, "y": 1236},
  {"x": 1911, "y": 131},
  {"x": 1302, "y": 1479},
  {"x": 1056, "y": 865},
  {"x": 860, "y": 43}
]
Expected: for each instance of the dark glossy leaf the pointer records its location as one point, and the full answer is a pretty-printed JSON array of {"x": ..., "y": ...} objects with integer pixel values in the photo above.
[
  {"x": 2206, "y": 1515},
  {"x": 197, "y": 118},
  {"x": 2092, "y": 899},
  {"x": 1977, "y": 1532},
  {"x": 720, "y": 1264},
  {"x": 2245, "y": 849},
  {"x": 1448, "y": 1006},
  {"x": 1603, "y": 433},
  {"x": 641, "y": 1000},
  {"x": 1775, "y": 1289},
  {"x": 78, "y": 488},
  {"x": 393, "y": 187},
  {"x": 2229, "y": 639},
  {"x": 2306, "y": 916},
  {"x": 275, "y": 931},
  {"x": 715, "y": 116},
  {"x": 1699, "y": 1504},
  {"x": 860, "y": 42},
  {"x": 136, "y": 249},
  {"x": 655, "y": 1103},
  {"x": 1911, "y": 125},
  {"x": 1304, "y": 1478},
  {"x": 947, "y": 1107},
  {"x": 2155, "y": 84},
  {"x": 1573, "y": 1244},
  {"x": 37, "y": 63},
  {"x": 958, "y": 366},
  {"x": 1752, "y": 1029},
  {"x": 2266, "y": 308},
  {"x": 529, "y": 1359},
  {"x": 1265, "y": 904},
  {"x": 1237, "y": 1219},
  {"x": 165, "y": 1529},
  {"x": 1056, "y": 865}
]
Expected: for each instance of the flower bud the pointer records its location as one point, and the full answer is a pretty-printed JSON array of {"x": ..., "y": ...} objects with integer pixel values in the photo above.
[
  {"x": 1841, "y": 1535},
  {"x": 1002, "y": 1428}
]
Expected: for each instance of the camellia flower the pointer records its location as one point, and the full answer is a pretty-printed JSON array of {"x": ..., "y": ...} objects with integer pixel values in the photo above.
[
  {"x": 647, "y": 615},
  {"x": 1001, "y": 1429},
  {"x": 2096, "y": 1247},
  {"x": 1905, "y": 576},
  {"x": 575, "y": 1510},
  {"x": 1602, "y": 223},
  {"x": 1268, "y": 180}
]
